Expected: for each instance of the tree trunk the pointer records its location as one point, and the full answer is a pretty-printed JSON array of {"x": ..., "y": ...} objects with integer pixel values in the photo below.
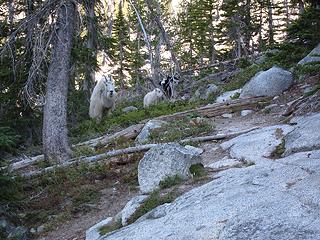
[
  {"x": 301, "y": 7},
  {"x": 121, "y": 53},
  {"x": 91, "y": 46},
  {"x": 270, "y": 22},
  {"x": 286, "y": 6},
  {"x": 165, "y": 37},
  {"x": 110, "y": 17},
  {"x": 146, "y": 39},
  {"x": 157, "y": 60},
  {"x": 55, "y": 132}
]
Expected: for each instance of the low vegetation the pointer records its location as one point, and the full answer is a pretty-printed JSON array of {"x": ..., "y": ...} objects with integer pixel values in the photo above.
[
  {"x": 197, "y": 170},
  {"x": 156, "y": 199},
  {"x": 110, "y": 227},
  {"x": 170, "y": 181},
  {"x": 279, "y": 150},
  {"x": 90, "y": 128},
  {"x": 180, "y": 129},
  {"x": 55, "y": 197}
]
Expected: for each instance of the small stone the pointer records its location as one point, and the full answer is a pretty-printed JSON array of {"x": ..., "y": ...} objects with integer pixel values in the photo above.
[
  {"x": 246, "y": 112},
  {"x": 40, "y": 229},
  {"x": 129, "y": 109},
  {"x": 225, "y": 162},
  {"x": 143, "y": 136},
  {"x": 227, "y": 115}
]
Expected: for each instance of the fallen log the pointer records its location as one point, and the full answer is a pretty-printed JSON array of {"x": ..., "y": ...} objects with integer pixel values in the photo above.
[
  {"x": 130, "y": 150},
  {"x": 91, "y": 159},
  {"x": 128, "y": 133},
  {"x": 217, "y": 109}
]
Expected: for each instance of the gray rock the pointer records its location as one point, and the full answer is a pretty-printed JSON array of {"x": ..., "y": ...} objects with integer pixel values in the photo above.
[
  {"x": 205, "y": 92},
  {"x": 246, "y": 112},
  {"x": 313, "y": 56},
  {"x": 227, "y": 96},
  {"x": 93, "y": 232},
  {"x": 271, "y": 106},
  {"x": 163, "y": 161},
  {"x": 129, "y": 109},
  {"x": 40, "y": 229},
  {"x": 275, "y": 201},
  {"x": 3, "y": 223},
  {"x": 194, "y": 150},
  {"x": 227, "y": 115},
  {"x": 131, "y": 208},
  {"x": 257, "y": 145},
  {"x": 143, "y": 136},
  {"x": 225, "y": 162},
  {"x": 305, "y": 136},
  {"x": 268, "y": 83},
  {"x": 18, "y": 233}
]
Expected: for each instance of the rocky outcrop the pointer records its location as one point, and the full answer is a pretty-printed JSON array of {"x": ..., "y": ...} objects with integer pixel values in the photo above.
[
  {"x": 313, "y": 56},
  {"x": 275, "y": 201},
  {"x": 258, "y": 145},
  {"x": 143, "y": 137},
  {"x": 163, "y": 161},
  {"x": 227, "y": 96},
  {"x": 305, "y": 136},
  {"x": 268, "y": 83}
]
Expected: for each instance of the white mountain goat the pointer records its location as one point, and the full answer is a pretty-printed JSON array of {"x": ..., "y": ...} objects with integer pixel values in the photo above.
[
  {"x": 153, "y": 97},
  {"x": 103, "y": 97}
]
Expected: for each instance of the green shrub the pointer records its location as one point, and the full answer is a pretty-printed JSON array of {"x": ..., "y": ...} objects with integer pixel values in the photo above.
[
  {"x": 170, "y": 181},
  {"x": 8, "y": 139}
]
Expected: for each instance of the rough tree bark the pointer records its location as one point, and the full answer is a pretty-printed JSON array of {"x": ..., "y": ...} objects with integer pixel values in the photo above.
[
  {"x": 55, "y": 133},
  {"x": 270, "y": 21},
  {"x": 157, "y": 61},
  {"x": 91, "y": 46},
  {"x": 157, "y": 17}
]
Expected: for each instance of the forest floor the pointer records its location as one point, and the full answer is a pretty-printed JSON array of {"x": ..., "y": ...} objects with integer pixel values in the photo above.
[
  {"x": 114, "y": 198},
  {"x": 68, "y": 202}
]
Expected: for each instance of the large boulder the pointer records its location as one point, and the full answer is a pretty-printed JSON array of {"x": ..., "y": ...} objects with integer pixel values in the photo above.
[
  {"x": 144, "y": 135},
  {"x": 164, "y": 161},
  {"x": 275, "y": 201},
  {"x": 305, "y": 136},
  {"x": 313, "y": 56},
  {"x": 227, "y": 96},
  {"x": 268, "y": 83}
]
